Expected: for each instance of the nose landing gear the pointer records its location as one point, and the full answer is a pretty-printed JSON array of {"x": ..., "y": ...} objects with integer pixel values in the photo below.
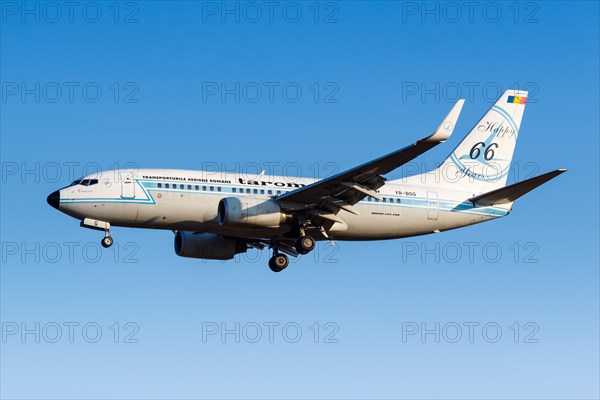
[
  {"x": 107, "y": 240},
  {"x": 98, "y": 225}
]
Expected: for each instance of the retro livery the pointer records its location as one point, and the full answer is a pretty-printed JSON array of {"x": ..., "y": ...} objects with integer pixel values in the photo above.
[{"x": 216, "y": 216}]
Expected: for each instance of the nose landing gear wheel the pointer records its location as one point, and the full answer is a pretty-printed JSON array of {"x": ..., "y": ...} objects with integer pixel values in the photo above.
[
  {"x": 305, "y": 244},
  {"x": 278, "y": 262},
  {"x": 106, "y": 241}
]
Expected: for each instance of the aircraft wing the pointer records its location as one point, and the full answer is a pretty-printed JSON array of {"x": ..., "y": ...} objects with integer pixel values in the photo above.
[{"x": 343, "y": 190}]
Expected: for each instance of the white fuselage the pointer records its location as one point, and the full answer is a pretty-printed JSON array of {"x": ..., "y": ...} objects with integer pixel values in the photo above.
[{"x": 188, "y": 201}]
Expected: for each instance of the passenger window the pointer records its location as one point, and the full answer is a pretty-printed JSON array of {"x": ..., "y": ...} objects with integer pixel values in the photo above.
[
  {"x": 262, "y": 191},
  {"x": 397, "y": 200},
  {"x": 204, "y": 188},
  {"x": 384, "y": 199},
  {"x": 189, "y": 187},
  {"x": 166, "y": 185},
  {"x": 270, "y": 191},
  {"x": 212, "y": 188},
  {"x": 233, "y": 190},
  {"x": 196, "y": 187},
  {"x": 159, "y": 185},
  {"x": 279, "y": 192},
  {"x": 218, "y": 188},
  {"x": 248, "y": 191},
  {"x": 255, "y": 191}
]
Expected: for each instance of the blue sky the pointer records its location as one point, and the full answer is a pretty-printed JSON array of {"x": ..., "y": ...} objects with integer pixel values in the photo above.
[{"x": 307, "y": 88}]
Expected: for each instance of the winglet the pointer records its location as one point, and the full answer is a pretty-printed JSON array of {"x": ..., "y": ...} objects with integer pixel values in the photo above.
[{"x": 443, "y": 132}]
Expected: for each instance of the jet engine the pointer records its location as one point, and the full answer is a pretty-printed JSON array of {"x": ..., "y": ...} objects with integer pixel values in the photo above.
[
  {"x": 249, "y": 212},
  {"x": 207, "y": 245}
]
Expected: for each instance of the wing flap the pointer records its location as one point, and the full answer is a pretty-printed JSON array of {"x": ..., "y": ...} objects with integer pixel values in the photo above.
[
  {"x": 341, "y": 204},
  {"x": 362, "y": 189}
]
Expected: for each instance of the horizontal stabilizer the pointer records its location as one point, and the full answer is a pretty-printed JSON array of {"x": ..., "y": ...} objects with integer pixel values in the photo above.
[{"x": 512, "y": 192}]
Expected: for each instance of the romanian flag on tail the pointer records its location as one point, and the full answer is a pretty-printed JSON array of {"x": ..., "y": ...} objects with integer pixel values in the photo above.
[{"x": 517, "y": 100}]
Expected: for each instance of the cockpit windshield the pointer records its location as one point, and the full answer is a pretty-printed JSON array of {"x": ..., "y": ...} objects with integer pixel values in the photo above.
[
  {"x": 88, "y": 182},
  {"x": 84, "y": 182}
]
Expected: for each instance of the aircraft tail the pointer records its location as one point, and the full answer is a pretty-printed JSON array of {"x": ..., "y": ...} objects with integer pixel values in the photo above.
[{"x": 481, "y": 162}]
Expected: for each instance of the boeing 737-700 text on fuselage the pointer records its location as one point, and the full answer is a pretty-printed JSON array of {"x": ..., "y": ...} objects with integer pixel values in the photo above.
[{"x": 219, "y": 218}]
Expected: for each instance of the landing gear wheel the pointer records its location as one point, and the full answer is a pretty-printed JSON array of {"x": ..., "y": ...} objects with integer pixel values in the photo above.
[
  {"x": 278, "y": 262},
  {"x": 305, "y": 244},
  {"x": 106, "y": 241}
]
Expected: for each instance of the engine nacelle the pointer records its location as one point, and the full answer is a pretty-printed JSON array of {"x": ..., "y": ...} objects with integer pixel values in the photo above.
[
  {"x": 207, "y": 245},
  {"x": 250, "y": 212}
]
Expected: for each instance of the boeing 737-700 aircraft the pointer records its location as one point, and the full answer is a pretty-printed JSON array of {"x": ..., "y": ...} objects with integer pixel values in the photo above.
[{"x": 218, "y": 217}]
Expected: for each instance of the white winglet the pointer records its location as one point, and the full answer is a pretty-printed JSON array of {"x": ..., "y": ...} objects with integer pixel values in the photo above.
[{"x": 443, "y": 132}]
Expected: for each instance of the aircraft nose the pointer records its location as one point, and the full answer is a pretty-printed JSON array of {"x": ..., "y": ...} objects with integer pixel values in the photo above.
[{"x": 54, "y": 199}]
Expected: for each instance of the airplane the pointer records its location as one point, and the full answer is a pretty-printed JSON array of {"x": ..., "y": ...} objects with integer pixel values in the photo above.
[{"x": 218, "y": 216}]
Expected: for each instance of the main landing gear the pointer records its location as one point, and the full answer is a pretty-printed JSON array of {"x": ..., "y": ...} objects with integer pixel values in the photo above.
[
  {"x": 280, "y": 261},
  {"x": 305, "y": 244}
]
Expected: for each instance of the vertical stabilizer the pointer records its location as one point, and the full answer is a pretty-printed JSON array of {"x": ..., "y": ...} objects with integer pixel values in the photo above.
[{"x": 481, "y": 162}]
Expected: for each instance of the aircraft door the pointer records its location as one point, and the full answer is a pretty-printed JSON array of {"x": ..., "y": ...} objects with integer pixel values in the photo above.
[
  {"x": 127, "y": 185},
  {"x": 433, "y": 205}
]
